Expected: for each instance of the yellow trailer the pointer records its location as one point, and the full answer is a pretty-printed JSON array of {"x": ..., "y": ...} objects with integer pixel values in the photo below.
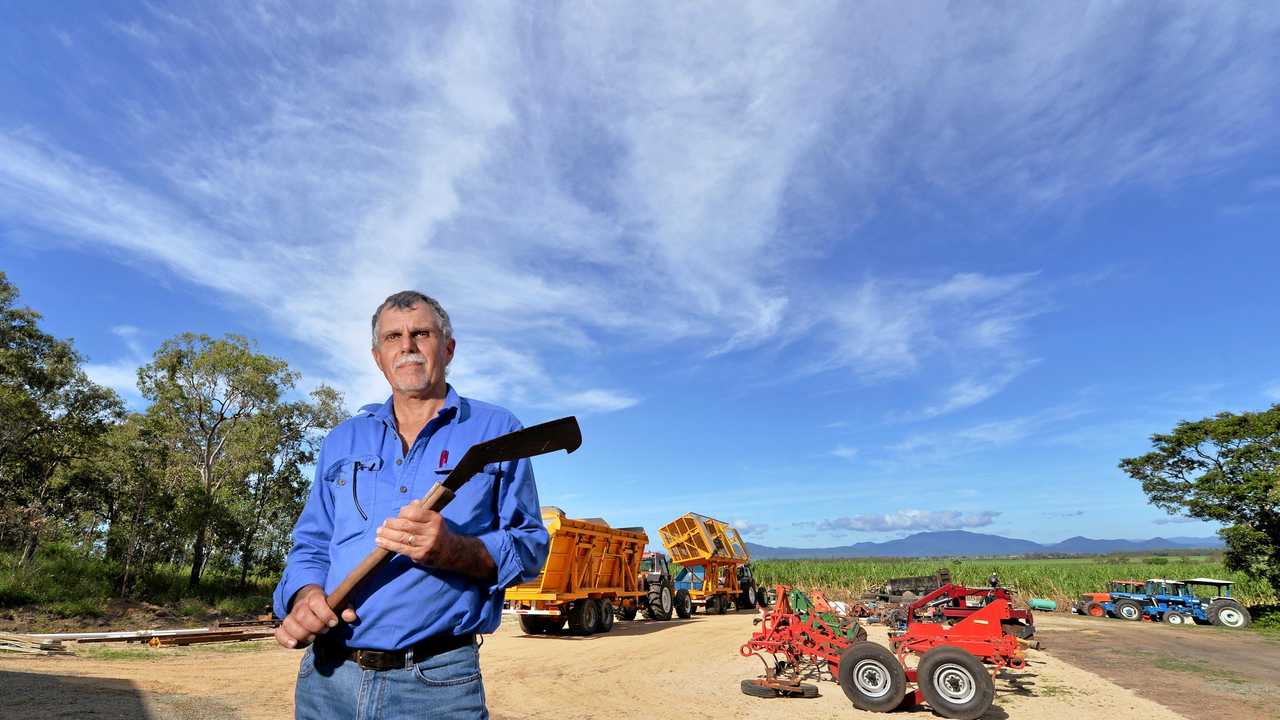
[
  {"x": 592, "y": 572},
  {"x": 713, "y": 560}
]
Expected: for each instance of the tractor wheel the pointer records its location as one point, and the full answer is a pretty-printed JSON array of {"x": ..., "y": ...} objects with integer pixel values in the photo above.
[
  {"x": 659, "y": 605},
  {"x": 1229, "y": 613},
  {"x": 1128, "y": 610},
  {"x": 747, "y": 599},
  {"x": 606, "y": 616},
  {"x": 684, "y": 604},
  {"x": 533, "y": 625},
  {"x": 1095, "y": 609},
  {"x": 709, "y": 607},
  {"x": 871, "y": 677},
  {"x": 584, "y": 617},
  {"x": 629, "y": 612},
  {"x": 955, "y": 683},
  {"x": 1173, "y": 617}
]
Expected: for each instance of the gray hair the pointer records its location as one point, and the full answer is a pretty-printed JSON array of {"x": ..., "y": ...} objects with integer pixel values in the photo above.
[{"x": 405, "y": 300}]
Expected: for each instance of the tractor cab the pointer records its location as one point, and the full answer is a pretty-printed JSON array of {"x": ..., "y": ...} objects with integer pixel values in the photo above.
[
  {"x": 1221, "y": 588},
  {"x": 1169, "y": 588},
  {"x": 1124, "y": 588},
  {"x": 653, "y": 565}
]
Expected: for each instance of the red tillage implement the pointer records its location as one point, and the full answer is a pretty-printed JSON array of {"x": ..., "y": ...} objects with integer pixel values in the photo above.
[{"x": 953, "y": 675}]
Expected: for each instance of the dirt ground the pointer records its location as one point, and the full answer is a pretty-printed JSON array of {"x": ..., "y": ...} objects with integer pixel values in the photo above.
[
  {"x": 649, "y": 670},
  {"x": 1203, "y": 672}
]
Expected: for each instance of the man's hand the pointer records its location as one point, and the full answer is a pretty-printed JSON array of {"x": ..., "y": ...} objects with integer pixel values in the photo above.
[
  {"x": 309, "y": 617},
  {"x": 423, "y": 536}
]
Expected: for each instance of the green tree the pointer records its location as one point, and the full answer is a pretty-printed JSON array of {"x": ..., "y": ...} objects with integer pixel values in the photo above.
[
  {"x": 54, "y": 417},
  {"x": 205, "y": 395},
  {"x": 1225, "y": 468}
]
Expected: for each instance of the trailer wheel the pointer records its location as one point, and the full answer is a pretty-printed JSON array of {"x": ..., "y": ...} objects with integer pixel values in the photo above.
[
  {"x": 684, "y": 604},
  {"x": 709, "y": 607},
  {"x": 955, "y": 683},
  {"x": 722, "y": 606},
  {"x": 532, "y": 625},
  {"x": 629, "y": 612},
  {"x": 1229, "y": 613},
  {"x": 1128, "y": 610},
  {"x": 871, "y": 677},
  {"x": 606, "y": 616},
  {"x": 584, "y": 617}
]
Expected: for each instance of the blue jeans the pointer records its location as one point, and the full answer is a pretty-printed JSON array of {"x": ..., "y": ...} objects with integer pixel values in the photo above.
[{"x": 445, "y": 686}]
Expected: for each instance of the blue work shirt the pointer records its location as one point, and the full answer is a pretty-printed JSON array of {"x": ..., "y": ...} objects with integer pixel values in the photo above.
[{"x": 363, "y": 478}]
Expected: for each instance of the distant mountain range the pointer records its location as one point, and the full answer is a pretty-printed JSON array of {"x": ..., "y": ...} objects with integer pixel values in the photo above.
[{"x": 953, "y": 543}]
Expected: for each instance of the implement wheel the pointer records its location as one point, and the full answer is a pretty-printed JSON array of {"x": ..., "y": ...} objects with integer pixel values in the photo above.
[
  {"x": 533, "y": 625},
  {"x": 871, "y": 677},
  {"x": 684, "y": 604},
  {"x": 955, "y": 683}
]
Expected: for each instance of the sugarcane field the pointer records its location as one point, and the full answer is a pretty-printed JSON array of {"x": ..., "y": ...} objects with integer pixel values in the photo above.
[{"x": 672, "y": 360}]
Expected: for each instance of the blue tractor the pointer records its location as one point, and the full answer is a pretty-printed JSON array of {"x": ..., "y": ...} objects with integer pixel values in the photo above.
[{"x": 1173, "y": 602}]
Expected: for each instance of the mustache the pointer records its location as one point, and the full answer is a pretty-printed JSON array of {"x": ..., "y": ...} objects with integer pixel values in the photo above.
[{"x": 411, "y": 359}]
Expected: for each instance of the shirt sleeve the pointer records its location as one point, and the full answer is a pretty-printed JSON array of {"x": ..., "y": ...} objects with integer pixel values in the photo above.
[
  {"x": 519, "y": 544},
  {"x": 308, "y": 560}
]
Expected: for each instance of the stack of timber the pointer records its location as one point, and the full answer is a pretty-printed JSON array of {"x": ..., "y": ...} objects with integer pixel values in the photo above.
[
  {"x": 32, "y": 645},
  {"x": 237, "y": 632}
]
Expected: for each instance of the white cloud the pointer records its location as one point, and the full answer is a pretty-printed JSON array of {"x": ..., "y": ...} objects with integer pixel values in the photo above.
[
  {"x": 120, "y": 376},
  {"x": 750, "y": 529},
  {"x": 576, "y": 181},
  {"x": 904, "y": 520},
  {"x": 598, "y": 401},
  {"x": 845, "y": 452}
]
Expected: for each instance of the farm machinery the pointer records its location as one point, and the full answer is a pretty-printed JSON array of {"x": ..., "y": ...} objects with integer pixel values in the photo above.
[
  {"x": 953, "y": 603},
  {"x": 1169, "y": 601},
  {"x": 948, "y": 667},
  {"x": 713, "y": 562}
]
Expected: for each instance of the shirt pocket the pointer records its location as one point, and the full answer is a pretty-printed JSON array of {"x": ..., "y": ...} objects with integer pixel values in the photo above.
[
  {"x": 474, "y": 508},
  {"x": 354, "y": 483}
]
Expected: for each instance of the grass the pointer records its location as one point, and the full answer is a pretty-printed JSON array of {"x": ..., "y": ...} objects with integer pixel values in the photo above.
[{"x": 1060, "y": 580}]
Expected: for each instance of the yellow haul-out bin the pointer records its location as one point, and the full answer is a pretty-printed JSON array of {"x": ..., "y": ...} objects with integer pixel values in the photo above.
[
  {"x": 591, "y": 573},
  {"x": 713, "y": 559}
]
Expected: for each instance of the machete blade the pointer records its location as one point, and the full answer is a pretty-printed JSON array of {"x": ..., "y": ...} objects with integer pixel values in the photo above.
[{"x": 563, "y": 434}]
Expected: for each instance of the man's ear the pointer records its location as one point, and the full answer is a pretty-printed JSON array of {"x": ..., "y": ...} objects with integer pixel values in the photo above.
[{"x": 448, "y": 350}]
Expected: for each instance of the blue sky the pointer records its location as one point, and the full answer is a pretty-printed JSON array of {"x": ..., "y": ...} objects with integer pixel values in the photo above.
[{"x": 835, "y": 274}]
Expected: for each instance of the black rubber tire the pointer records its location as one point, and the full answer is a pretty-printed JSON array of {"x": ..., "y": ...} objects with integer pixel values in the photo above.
[
  {"x": 749, "y": 687},
  {"x": 583, "y": 617},
  {"x": 605, "y": 623},
  {"x": 871, "y": 677},
  {"x": 629, "y": 612},
  {"x": 533, "y": 625},
  {"x": 683, "y": 603},
  {"x": 709, "y": 607},
  {"x": 807, "y": 690},
  {"x": 955, "y": 683},
  {"x": 1128, "y": 610},
  {"x": 722, "y": 607},
  {"x": 746, "y": 599},
  {"x": 658, "y": 604},
  {"x": 1229, "y": 613}
]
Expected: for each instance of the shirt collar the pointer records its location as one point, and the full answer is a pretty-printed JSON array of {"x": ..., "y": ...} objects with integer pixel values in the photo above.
[{"x": 452, "y": 403}]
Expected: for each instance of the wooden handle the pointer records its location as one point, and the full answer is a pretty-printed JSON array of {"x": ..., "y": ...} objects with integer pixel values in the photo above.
[{"x": 436, "y": 499}]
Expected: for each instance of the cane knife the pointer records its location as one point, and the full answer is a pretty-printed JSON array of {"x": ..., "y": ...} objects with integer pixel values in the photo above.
[{"x": 562, "y": 434}]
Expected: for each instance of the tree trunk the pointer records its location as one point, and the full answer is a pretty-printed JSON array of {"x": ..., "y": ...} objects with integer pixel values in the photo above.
[
  {"x": 197, "y": 558},
  {"x": 245, "y": 556},
  {"x": 29, "y": 548}
]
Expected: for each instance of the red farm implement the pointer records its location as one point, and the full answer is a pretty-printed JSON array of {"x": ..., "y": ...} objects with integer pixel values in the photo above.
[
  {"x": 953, "y": 674},
  {"x": 951, "y": 603}
]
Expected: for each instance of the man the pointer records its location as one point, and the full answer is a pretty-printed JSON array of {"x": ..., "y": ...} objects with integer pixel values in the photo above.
[{"x": 406, "y": 645}]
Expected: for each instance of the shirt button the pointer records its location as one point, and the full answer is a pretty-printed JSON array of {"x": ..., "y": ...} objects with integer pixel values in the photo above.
[
  {"x": 404, "y": 489},
  {"x": 398, "y": 461}
]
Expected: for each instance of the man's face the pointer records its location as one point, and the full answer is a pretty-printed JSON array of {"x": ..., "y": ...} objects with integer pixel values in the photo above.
[{"x": 411, "y": 353}]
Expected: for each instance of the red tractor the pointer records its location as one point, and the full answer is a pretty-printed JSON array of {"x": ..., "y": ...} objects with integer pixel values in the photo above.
[{"x": 953, "y": 674}]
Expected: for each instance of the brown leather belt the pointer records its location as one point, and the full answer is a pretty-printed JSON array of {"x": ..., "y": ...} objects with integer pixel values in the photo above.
[{"x": 394, "y": 659}]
